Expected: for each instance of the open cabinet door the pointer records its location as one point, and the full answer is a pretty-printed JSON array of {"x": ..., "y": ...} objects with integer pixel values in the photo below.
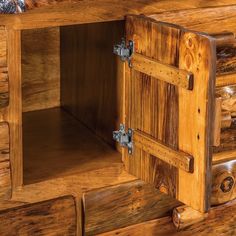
[{"x": 168, "y": 108}]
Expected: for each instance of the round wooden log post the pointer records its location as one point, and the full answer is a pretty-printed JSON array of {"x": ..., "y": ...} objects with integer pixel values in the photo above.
[
  {"x": 223, "y": 182},
  {"x": 185, "y": 216}
]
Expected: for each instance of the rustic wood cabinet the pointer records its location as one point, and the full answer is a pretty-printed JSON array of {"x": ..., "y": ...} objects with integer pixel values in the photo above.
[{"x": 63, "y": 92}]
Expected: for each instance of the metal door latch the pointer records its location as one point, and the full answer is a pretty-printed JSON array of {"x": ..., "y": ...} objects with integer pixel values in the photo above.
[
  {"x": 124, "y": 138},
  {"x": 124, "y": 51}
]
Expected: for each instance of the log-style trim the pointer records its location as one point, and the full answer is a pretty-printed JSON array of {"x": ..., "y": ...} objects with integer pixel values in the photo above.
[
  {"x": 225, "y": 156},
  {"x": 225, "y": 80},
  {"x": 167, "y": 73},
  {"x": 173, "y": 157}
]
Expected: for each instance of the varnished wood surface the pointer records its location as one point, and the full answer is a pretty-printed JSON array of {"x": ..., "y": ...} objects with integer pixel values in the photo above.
[
  {"x": 124, "y": 205},
  {"x": 98, "y": 11},
  {"x": 223, "y": 156},
  {"x": 92, "y": 76},
  {"x": 220, "y": 221},
  {"x": 52, "y": 217},
  {"x": 5, "y": 171},
  {"x": 170, "y": 114},
  {"x": 40, "y": 69},
  {"x": 53, "y": 138}
]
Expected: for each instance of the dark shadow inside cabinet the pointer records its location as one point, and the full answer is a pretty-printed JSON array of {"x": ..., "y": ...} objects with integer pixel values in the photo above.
[{"x": 71, "y": 99}]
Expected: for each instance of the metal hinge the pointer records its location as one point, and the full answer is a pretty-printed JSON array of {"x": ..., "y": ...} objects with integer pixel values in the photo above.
[
  {"x": 124, "y": 51},
  {"x": 124, "y": 138}
]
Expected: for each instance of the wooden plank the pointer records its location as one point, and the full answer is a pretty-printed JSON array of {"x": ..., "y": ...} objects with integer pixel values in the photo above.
[
  {"x": 40, "y": 69},
  {"x": 220, "y": 221},
  {"x": 52, "y": 217},
  {"x": 167, "y": 73},
  {"x": 84, "y": 12},
  {"x": 217, "y": 122},
  {"x": 5, "y": 172},
  {"x": 195, "y": 118},
  {"x": 129, "y": 203},
  {"x": 223, "y": 182},
  {"x": 151, "y": 105},
  {"x": 223, "y": 156},
  {"x": 88, "y": 88},
  {"x": 15, "y": 106},
  {"x": 225, "y": 80},
  {"x": 173, "y": 157}
]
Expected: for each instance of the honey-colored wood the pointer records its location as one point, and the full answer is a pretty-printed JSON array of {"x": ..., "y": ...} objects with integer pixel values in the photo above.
[
  {"x": 86, "y": 11},
  {"x": 167, "y": 73},
  {"x": 225, "y": 80},
  {"x": 171, "y": 114},
  {"x": 223, "y": 182},
  {"x": 53, "y": 138},
  {"x": 184, "y": 216},
  {"x": 220, "y": 221},
  {"x": 217, "y": 122},
  {"x": 5, "y": 172},
  {"x": 223, "y": 156},
  {"x": 40, "y": 69},
  {"x": 52, "y": 217},
  {"x": 92, "y": 76},
  {"x": 141, "y": 203},
  {"x": 15, "y": 106},
  {"x": 175, "y": 158}
]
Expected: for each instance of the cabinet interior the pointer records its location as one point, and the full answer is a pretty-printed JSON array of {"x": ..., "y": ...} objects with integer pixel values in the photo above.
[{"x": 71, "y": 99}]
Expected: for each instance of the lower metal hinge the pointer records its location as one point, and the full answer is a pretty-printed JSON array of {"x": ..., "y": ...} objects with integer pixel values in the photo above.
[
  {"x": 125, "y": 139},
  {"x": 124, "y": 51}
]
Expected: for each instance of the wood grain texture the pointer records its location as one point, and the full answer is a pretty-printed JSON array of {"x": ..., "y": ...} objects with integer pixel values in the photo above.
[
  {"x": 197, "y": 54},
  {"x": 92, "y": 77},
  {"x": 53, "y": 217},
  {"x": 175, "y": 158},
  {"x": 223, "y": 156},
  {"x": 122, "y": 205},
  {"x": 223, "y": 182},
  {"x": 217, "y": 122},
  {"x": 4, "y": 88},
  {"x": 92, "y": 11},
  {"x": 220, "y": 221},
  {"x": 167, "y": 73},
  {"x": 15, "y": 106},
  {"x": 151, "y": 105},
  {"x": 5, "y": 171},
  {"x": 225, "y": 79},
  {"x": 40, "y": 69},
  {"x": 53, "y": 137}
]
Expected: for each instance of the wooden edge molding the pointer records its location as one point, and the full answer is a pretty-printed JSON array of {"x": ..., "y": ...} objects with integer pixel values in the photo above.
[
  {"x": 217, "y": 122},
  {"x": 167, "y": 73},
  {"x": 184, "y": 216},
  {"x": 223, "y": 182},
  {"x": 150, "y": 145},
  {"x": 52, "y": 217}
]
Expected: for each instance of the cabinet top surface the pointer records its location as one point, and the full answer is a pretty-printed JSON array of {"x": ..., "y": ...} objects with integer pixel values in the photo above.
[
  {"x": 213, "y": 20},
  {"x": 90, "y": 11}
]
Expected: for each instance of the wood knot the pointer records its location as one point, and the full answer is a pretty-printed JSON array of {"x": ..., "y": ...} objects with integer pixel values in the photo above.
[{"x": 227, "y": 184}]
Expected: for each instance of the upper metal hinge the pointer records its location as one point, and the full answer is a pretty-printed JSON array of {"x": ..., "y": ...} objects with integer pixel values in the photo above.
[
  {"x": 124, "y": 51},
  {"x": 125, "y": 139}
]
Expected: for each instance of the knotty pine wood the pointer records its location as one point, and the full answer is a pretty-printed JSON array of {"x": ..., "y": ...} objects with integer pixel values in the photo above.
[
  {"x": 151, "y": 105},
  {"x": 220, "y": 221},
  {"x": 169, "y": 74},
  {"x": 92, "y": 11},
  {"x": 122, "y": 205},
  {"x": 53, "y": 138},
  {"x": 5, "y": 172},
  {"x": 92, "y": 76},
  {"x": 52, "y": 217},
  {"x": 169, "y": 114},
  {"x": 40, "y": 69}
]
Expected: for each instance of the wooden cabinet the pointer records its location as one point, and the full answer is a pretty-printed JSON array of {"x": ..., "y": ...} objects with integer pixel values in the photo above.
[{"x": 63, "y": 93}]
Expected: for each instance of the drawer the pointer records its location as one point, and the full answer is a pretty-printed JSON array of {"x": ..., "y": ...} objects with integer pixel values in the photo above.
[
  {"x": 51, "y": 217},
  {"x": 5, "y": 171}
]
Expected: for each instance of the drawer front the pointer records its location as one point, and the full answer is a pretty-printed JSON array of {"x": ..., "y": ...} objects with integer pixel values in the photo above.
[
  {"x": 5, "y": 171},
  {"x": 4, "y": 90},
  {"x": 168, "y": 104},
  {"x": 52, "y": 217}
]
